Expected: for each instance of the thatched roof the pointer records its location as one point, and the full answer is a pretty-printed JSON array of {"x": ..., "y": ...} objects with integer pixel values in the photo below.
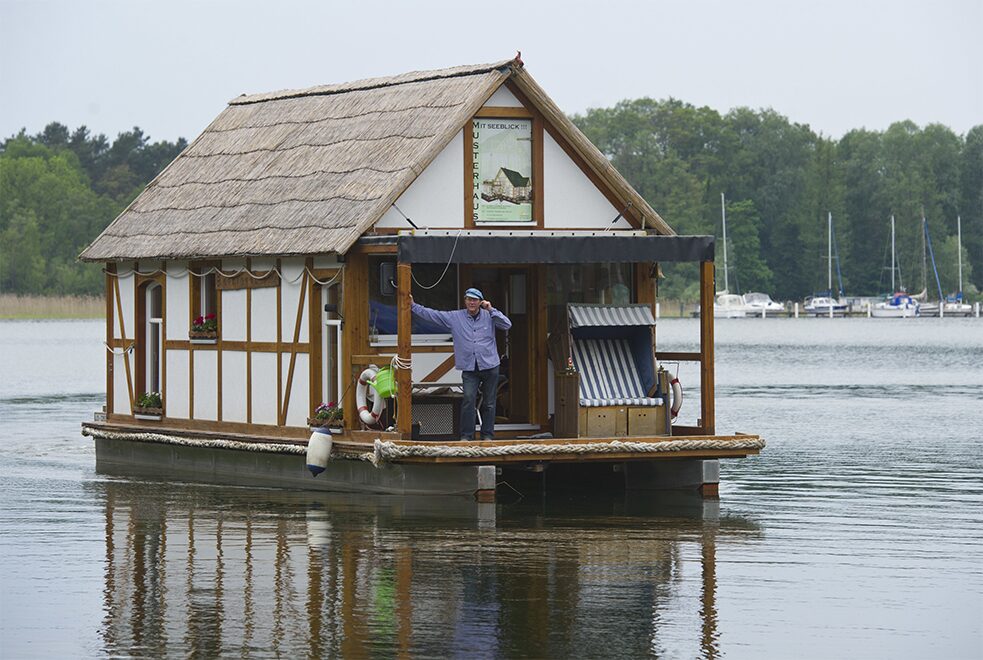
[{"x": 309, "y": 171}]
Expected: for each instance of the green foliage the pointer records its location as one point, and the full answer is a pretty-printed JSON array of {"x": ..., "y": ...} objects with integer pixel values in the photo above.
[
  {"x": 150, "y": 400},
  {"x": 787, "y": 178},
  {"x": 58, "y": 190}
]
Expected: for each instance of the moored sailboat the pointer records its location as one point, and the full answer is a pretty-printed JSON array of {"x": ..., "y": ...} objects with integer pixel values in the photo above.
[
  {"x": 824, "y": 304},
  {"x": 899, "y": 304}
]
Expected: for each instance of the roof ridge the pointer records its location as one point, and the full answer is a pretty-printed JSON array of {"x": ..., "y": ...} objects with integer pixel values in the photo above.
[{"x": 376, "y": 83}]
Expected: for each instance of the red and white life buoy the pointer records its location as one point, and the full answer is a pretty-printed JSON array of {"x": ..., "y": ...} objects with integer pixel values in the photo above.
[
  {"x": 368, "y": 417},
  {"x": 677, "y": 397}
]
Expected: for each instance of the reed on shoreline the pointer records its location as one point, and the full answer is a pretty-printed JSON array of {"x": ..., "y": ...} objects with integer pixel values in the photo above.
[{"x": 13, "y": 306}]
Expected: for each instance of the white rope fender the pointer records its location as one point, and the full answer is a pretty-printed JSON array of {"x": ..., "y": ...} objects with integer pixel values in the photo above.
[
  {"x": 389, "y": 451},
  {"x": 181, "y": 441},
  {"x": 218, "y": 443}
]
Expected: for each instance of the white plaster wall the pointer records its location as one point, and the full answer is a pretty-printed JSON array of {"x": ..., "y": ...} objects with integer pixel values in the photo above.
[
  {"x": 177, "y": 305},
  {"x": 121, "y": 394},
  {"x": 436, "y": 197},
  {"x": 264, "y": 388},
  {"x": 206, "y": 385},
  {"x": 291, "y": 270},
  {"x": 176, "y": 385},
  {"x": 502, "y": 98},
  {"x": 233, "y": 386},
  {"x": 264, "y": 314},
  {"x": 327, "y": 261},
  {"x": 233, "y": 322},
  {"x": 127, "y": 301},
  {"x": 297, "y": 411},
  {"x": 232, "y": 325},
  {"x": 570, "y": 200}
]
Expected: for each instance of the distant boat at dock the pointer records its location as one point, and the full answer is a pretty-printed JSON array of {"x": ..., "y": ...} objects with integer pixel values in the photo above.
[
  {"x": 900, "y": 305},
  {"x": 761, "y": 303},
  {"x": 729, "y": 306},
  {"x": 820, "y": 306}
]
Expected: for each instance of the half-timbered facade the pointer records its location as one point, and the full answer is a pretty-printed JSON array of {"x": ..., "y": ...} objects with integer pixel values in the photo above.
[{"x": 273, "y": 260}]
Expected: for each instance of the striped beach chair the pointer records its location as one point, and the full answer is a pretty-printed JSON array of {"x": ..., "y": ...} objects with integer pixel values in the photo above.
[
  {"x": 612, "y": 385},
  {"x": 608, "y": 374}
]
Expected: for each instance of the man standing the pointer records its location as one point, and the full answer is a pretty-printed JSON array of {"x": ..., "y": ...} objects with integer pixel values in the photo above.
[{"x": 475, "y": 355}]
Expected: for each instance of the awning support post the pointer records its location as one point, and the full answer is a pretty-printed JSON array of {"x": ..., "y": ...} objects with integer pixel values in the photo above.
[
  {"x": 404, "y": 377},
  {"x": 706, "y": 347}
]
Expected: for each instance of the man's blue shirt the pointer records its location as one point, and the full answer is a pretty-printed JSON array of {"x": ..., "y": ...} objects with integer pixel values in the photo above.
[{"x": 474, "y": 337}]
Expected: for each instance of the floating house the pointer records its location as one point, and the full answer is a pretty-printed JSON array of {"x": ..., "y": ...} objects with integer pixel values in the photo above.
[{"x": 269, "y": 269}]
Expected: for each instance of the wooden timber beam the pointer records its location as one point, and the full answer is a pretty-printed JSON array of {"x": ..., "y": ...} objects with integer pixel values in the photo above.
[
  {"x": 404, "y": 377},
  {"x": 706, "y": 348}
]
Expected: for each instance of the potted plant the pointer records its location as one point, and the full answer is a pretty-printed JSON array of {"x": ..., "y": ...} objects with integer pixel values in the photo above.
[
  {"x": 204, "y": 330},
  {"x": 330, "y": 416},
  {"x": 149, "y": 406}
]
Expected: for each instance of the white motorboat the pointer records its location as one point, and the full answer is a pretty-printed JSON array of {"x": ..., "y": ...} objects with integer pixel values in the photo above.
[
  {"x": 729, "y": 306},
  {"x": 759, "y": 304},
  {"x": 820, "y": 306},
  {"x": 898, "y": 306}
]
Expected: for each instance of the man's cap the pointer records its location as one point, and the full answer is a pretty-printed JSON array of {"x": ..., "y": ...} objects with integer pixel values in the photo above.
[{"x": 473, "y": 293}]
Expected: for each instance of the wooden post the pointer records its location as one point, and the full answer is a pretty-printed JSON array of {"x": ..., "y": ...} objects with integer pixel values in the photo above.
[
  {"x": 706, "y": 347},
  {"x": 404, "y": 377}
]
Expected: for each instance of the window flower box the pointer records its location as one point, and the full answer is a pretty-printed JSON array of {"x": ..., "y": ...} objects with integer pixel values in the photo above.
[
  {"x": 149, "y": 406},
  {"x": 149, "y": 414},
  {"x": 204, "y": 330}
]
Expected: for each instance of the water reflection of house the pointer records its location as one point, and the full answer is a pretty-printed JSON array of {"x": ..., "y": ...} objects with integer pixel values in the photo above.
[
  {"x": 217, "y": 572},
  {"x": 507, "y": 186}
]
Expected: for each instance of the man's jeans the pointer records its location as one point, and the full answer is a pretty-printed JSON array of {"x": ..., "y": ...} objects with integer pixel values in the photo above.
[{"x": 487, "y": 380}]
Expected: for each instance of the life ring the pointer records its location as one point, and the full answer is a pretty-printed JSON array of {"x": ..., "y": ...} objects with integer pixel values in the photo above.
[
  {"x": 368, "y": 417},
  {"x": 677, "y": 397}
]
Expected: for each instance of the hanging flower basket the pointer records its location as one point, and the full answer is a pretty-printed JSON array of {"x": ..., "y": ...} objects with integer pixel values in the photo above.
[{"x": 329, "y": 416}]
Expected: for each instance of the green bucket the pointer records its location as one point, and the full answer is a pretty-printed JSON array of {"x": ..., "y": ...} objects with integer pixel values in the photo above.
[{"x": 384, "y": 383}]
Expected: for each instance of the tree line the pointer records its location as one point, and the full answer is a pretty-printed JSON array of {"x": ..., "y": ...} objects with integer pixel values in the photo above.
[
  {"x": 781, "y": 179},
  {"x": 60, "y": 188}
]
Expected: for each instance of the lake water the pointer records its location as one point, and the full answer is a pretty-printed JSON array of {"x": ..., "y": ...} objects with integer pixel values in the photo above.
[{"x": 858, "y": 532}]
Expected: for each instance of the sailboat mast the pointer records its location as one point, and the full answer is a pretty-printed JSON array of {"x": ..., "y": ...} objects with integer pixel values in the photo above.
[
  {"x": 892, "y": 256},
  {"x": 723, "y": 216},
  {"x": 959, "y": 249},
  {"x": 829, "y": 239},
  {"x": 924, "y": 255}
]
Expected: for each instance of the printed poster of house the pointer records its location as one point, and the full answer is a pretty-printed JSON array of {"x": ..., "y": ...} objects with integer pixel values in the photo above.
[{"x": 502, "y": 170}]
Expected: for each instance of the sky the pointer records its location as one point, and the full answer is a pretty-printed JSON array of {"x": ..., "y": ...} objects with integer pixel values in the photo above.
[{"x": 170, "y": 66}]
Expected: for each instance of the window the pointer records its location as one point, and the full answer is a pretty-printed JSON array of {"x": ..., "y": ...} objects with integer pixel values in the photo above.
[
  {"x": 382, "y": 311},
  {"x": 155, "y": 335},
  {"x": 204, "y": 297},
  {"x": 502, "y": 164}
]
